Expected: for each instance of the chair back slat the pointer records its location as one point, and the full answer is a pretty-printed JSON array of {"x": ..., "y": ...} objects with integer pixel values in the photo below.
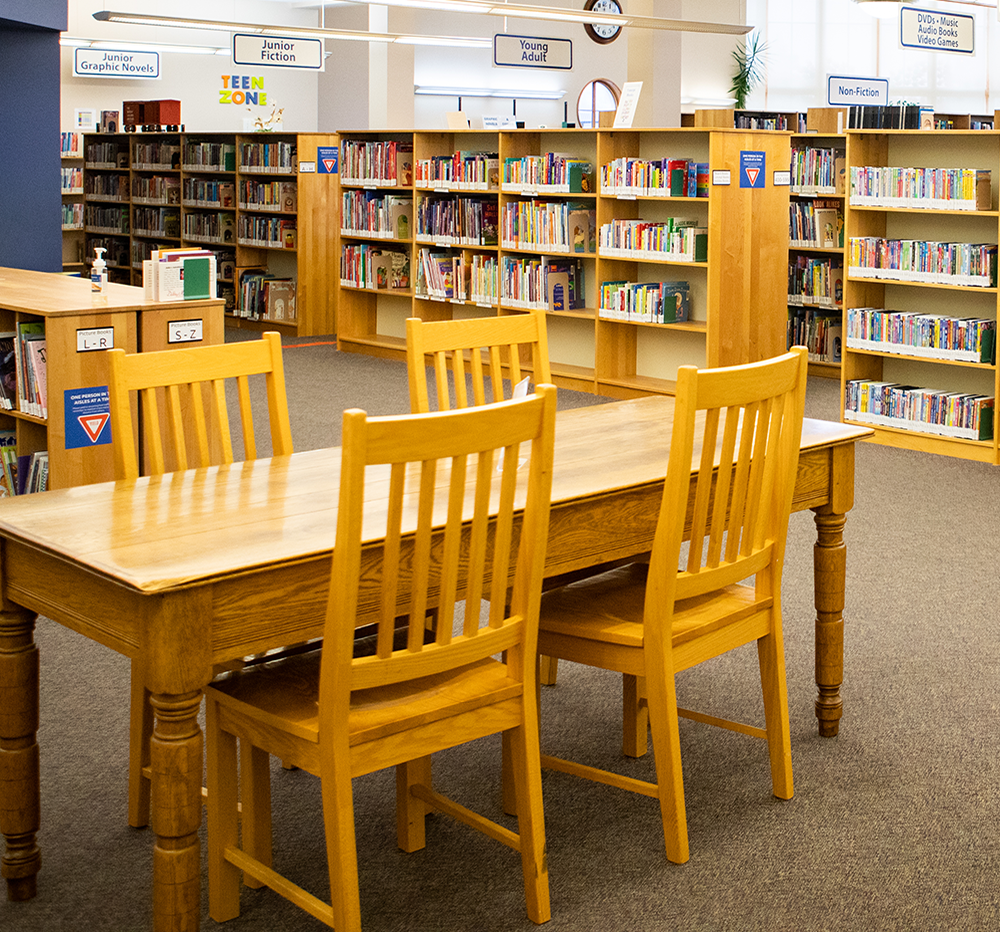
[
  {"x": 189, "y": 386},
  {"x": 458, "y": 523},
  {"x": 493, "y": 342},
  {"x": 745, "y": 474}
]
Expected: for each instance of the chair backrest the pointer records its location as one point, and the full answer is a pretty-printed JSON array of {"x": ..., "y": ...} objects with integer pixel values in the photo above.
[
  {"x": 740, "y": 428},
  {"x": 451, "y": 487},
  {"x": 465, "y": 342},
  {"x": 192, "y": 390}
]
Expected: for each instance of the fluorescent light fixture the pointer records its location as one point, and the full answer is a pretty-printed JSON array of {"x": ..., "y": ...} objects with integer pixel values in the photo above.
[
  {"x": 561, "y": 14},
  {"x": 75, "y": 42},
  {"x": 423, "y": 90},
  {"x": 142, "y": 19}
]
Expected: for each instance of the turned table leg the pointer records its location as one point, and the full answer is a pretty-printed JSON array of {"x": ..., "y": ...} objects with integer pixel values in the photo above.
[
  {"x": 20, "y": 800},
  {"x": 830, "y": 575}
]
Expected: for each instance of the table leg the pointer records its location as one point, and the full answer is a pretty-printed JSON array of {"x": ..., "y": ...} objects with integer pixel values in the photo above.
[
  {"x": 20, "y": 798},
  {"x": 176, "y": 753},
  {"x": 830, "y": 581}
]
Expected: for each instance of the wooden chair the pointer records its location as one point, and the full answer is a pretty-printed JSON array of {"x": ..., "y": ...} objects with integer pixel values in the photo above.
[
  {"x": 650, "y": 621},
  {"x": 342, "y": 716},
  {"x": 190, "y": 384},
  {"x": 465, "y": 342}
]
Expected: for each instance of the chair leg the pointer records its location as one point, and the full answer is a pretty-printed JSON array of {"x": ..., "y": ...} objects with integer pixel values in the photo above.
[
  {"x": 635, "y": 715},
  {"x": 223, "y": 821},
  {"x": 341, "y": 845},
  {"x": 255, "y": 794},
  {"x": 411, "y": 812},
  {"x": 526, "y": 765},
  {"x": 771, "y": 656},
  {"x": 140, "y": 735},
  {"x": 665, "y": 731},
  {"x": 548, "y": 670}
]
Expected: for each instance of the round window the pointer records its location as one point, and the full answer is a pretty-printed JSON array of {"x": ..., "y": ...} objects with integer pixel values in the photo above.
[{"x": 596, "y": 96}]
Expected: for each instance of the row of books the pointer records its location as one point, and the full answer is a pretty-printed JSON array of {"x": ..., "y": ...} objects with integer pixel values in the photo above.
[
  {"x": 270, "y": 195},
  {"x": 23, "y": 382},
  {"x": 932, "y": 336},
  {"x": 269, "y": 232},
  {"x": 116, "y": 250},
  {"x": 366, "y": 213},
  {"x": 780, "y": 121},
  {"x": 542, "y": 284},
  {"x": 261, "y": 296},
  {"x": 463, "y": 221},
  {"x": 210, "y": 226},
  {"x": 104, "y": 185},
  {"x": 181, "y": 274},
  {"x": 106, "y": 219},
  {"x": 645, "y": 302},
  {"x": 815, "y": 281},
  {"x": 383, "y": 162},
  {"x": 927, "y": 188},
  {"x": 209, "y": 192},
  {"x": 962, "y": 415},
  {"x": 157, "y": 154},
  {"x": 972, "y": 264},
  {"x": 656, "y": 178},
  {"x": 209, "y": 156},
  {"x": 363, "y": 265},
  {"x": 466, "y": 171},
  {"x": 160, "y": 189},
  {"x": 156, "y": 221},
  {"x": 818, "y": 331},
  {"x": 71, "y": 180},
  {"x": 561, "y": 226},
  {"x": 457, "y": 276},
  {"x": 891, "y": 116},
  {"x": 551, "y": 172},
  {"x": 70, "y": 145},
  {"x": 106, "y": 154},
  {"x": 817, "y": 224},
  {"x": 675, "y": 239},
  {"x": 276, "y": 157},
  {"x": 20, "y": 475},
  {"x": 817, "y": 170},
  {"x": 72, "y": 216}
]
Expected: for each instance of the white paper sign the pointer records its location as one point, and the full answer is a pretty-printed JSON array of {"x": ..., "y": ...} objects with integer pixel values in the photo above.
[{"x": 626, "y": 106}]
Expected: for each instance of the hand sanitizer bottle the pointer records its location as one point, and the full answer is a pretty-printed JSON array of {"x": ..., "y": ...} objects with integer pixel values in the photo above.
[{"x": 99, "y": 272}]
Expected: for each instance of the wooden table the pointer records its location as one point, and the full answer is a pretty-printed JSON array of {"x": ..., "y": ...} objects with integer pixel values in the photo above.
[{"x": 194, "y": 568}]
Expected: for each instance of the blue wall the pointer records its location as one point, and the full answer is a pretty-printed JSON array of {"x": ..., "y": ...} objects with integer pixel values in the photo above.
[{"x": 31, "y": 209}]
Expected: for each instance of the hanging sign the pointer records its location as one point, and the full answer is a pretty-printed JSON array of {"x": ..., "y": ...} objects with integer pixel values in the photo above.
[
  {"x": 277, "y": 51},
  {"x": 532, "y": 52},
  {"x": 112, "y": 63},
  {"x": 937, "y": 32}
]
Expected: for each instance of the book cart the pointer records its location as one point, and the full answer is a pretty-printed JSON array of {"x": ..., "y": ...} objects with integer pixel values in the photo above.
[
  {"x": 920, "y": 293},
  {"x": 259, "y": 201},
  {"x": 550, "y": 219}
]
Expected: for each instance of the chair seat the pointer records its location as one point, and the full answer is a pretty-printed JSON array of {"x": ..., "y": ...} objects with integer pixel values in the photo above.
[
  {"x": 609, "y": 608},
  {"x": 287, "y": 692}
]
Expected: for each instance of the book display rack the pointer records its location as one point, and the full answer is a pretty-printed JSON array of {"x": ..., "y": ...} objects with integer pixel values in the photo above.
[
  {"x": 256, "y": 200},
  {"x": 643, "y": 258},
  {"x": 922, "y": 226}
]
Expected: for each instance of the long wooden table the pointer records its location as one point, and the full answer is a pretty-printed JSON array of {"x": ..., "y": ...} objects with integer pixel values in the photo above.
[{"x": 191, "y": 569}]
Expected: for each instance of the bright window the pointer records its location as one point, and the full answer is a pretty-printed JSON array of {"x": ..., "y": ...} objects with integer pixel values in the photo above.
[{"x": 596, "y": 96}]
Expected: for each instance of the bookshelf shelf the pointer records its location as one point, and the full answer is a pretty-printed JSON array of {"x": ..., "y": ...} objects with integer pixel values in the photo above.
[
  {"x": 197, "y": 176},
  {"x": 743, "y": 272},
  {"x": 886, "y": 378}
]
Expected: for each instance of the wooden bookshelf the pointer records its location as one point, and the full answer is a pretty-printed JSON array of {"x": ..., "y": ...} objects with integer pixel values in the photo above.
[
  {"x": 737, "y": 296},
  {"x": 219, "y": 191},
  {"x": 71, "y": 156},
  {"x": 893, "y": 362},
  {"x": 79, "y": 326}
]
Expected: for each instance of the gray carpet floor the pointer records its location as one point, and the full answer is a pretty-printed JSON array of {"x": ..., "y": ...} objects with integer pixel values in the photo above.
[{"x": 893, "y": 825}]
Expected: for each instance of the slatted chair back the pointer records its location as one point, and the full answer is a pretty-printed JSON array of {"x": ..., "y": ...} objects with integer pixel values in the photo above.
[
  {"x": 742, "y": 427},
  {"x": 191, "y": 386},
  {"x": 472, "y": 347}
]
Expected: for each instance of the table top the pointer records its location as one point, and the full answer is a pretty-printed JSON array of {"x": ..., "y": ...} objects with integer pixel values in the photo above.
[
  {"x": 169, "y": 532},
  {"x": 50, "y": 294}
]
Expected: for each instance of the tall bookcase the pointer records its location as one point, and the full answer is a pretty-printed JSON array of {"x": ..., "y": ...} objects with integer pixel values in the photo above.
[
  {"x": 260, "y": 201},
  {"x": 882, "y": 352},
  {"x": 71, "y": 156},
  {"x": 737, "y": 293}
]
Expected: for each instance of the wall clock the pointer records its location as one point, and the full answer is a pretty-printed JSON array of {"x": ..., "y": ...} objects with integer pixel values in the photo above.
[{"x": 601, "y": 32}]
